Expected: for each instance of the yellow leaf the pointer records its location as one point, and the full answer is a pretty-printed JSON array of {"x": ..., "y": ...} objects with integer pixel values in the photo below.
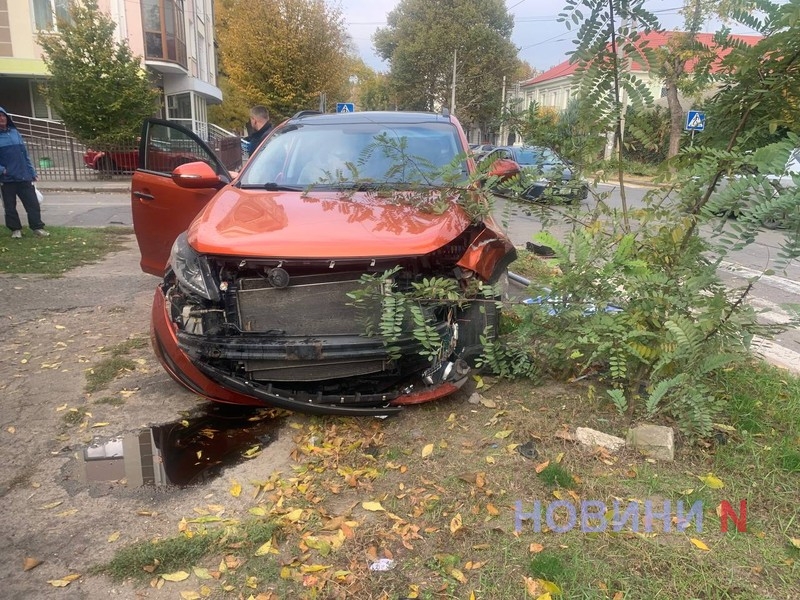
[
  {"x": 535, "y": 548},
  {"x": 699, "y": 544},
  {"x": 478, "y": 381},
  {"x": 265, "y": 549},
  {"x": 541, "y": 466},
  {"x": 201, "y": 573},
  {"x": 372, "y": 506},
  {"x": 51, "y": 505},
  {"x": 545, "y": 596},
  {"x": 60, "y": 327},
  {"x": 795, "y": 542},
  {"x": 199, "y": 454},
  {"x": 712, "y": 481},
  {"x": 294, "y": 515},
  {"x": 100, "y": 424},
  {"x": 11, "y": 429},
  {"x": 313, "y": 568},
  {"x": 458, "y": 576},
  {"x": 64, "y": 581},
  {"x": 456, "y": 523},
  {"x": 492, "y": 509},
  {"x": 113, "y": 537},
  {"x": 189, "y": 595},
  {"x": 560, "y": 457},
  {"x": 176, "y": 576},
  {"x": 549, "y": 586},
  {"x": 427, "y": 450},
  {"x": 490, "y": 460},
  {"x": 236, "y": 489},
  {"x": 501, "y": 435},
  {"x": 62, "y": 407}
]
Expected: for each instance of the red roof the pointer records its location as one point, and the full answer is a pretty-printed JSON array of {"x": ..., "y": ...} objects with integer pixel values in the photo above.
[{"x": 655, "y": 39}]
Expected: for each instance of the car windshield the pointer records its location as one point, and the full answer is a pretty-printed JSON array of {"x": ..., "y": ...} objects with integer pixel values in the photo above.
[
  {"x": 540, "y": 157},
  {"x": 356, "y": 155}
]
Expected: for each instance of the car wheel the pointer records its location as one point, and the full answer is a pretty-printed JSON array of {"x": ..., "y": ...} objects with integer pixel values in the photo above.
[
  {"x": 772, "y": 222},
  {"x": 106, "y": 166}
]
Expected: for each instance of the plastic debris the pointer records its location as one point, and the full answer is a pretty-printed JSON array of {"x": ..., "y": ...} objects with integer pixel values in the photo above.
[{"x": 382, "y": 564}]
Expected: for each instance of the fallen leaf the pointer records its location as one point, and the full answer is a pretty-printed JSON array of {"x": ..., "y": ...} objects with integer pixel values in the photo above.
[
  {"x": 236, "y": 489},
  {"x": 456, "y": 523},
  {"x": 11, "y": 429},
  {"x": 501, "y": 435},
  {"x": 266, "y": 548},
  {"x": 712, "y": 481},
  {"x": 201, "y": 573},
  {"x": 372, "y": 506},
  {"x": 541, "y": 466},
  {"x": 100, "y": 424},
  {"x": 190, "y": 595},
  {"x": 795, "y": 542},
  {"x": 492, "y": 509},
  {"x": 458, "y": 576},
  {"x": 176, "y": 576},
  {"x": 427, "y": 450},
  {"x": 488, "y": 403},
  {"x": 699, "y": 544},
  {"x": 535, "y": 548},
  {"x": 64, "y": 581},
  {"x": 51, "y": 505},
  {"x": 549, "y": 586},
  {"x": 30, "y": 563}
]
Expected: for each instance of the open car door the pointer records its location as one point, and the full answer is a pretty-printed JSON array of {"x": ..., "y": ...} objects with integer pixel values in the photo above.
[{"x": 161, "y": 209}]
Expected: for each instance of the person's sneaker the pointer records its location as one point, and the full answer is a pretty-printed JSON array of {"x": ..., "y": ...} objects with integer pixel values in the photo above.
[
  {"x": 41, "y": 232},
  {"x": 17, "y": 234}
]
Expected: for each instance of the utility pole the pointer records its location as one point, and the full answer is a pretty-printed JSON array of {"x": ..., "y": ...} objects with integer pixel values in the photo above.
[
  {"x": 503, "y": 127},
  {"x": 453, "y": 89}
]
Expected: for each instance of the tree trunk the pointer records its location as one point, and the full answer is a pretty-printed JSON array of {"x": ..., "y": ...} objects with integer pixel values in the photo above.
[{"x": 675, "y": 119}]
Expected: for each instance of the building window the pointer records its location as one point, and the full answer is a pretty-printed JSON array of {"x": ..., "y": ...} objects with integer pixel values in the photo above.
[
  {"x": 164, "y": 33},
  {"x": 41, "y": 109},
  {"x": 46, "y": 13}
]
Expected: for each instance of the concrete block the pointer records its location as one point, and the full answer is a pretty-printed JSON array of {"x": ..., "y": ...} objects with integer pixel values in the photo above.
[
  {"x": 592, "y": 437},
  {"x": 654, "y": 441}
]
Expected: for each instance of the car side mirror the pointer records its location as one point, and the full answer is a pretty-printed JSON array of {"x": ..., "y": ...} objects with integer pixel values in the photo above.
[
  {"x": 195, "y": 175},
  {"x": 504, "y": 168}
]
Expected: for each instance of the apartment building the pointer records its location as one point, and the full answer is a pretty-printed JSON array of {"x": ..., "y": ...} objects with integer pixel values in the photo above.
[{"x": 174, "y": 38}]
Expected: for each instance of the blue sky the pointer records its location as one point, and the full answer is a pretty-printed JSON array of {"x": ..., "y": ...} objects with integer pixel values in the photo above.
[{"x": 543, "y": 41}]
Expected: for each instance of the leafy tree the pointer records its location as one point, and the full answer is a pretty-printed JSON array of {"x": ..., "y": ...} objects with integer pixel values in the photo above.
[
  {"x": 283, "y": 54},
  {"x": 97, "y": 86},
  {"x": 420, "y": 41}
]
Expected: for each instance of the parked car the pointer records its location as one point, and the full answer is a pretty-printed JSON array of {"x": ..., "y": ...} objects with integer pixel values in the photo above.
[
  {"x": 259, "y": 267},
  {"x": 549, "y": 176},
  {"x": 165, "y": 154},
  {"x": 118, "y": 161}
]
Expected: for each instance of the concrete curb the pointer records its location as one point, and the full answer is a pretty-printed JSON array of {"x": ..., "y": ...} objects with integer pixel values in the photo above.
[{"x": 83, "y": 188}]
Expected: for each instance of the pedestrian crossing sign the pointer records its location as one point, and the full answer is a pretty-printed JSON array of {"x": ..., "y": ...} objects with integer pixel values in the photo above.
[
  {"x": 695, "y": 121},
  {"x": 345, "y": 107}
]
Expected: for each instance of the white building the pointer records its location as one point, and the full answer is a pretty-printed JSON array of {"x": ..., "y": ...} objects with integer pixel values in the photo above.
[{"x": 174, "y": 38}]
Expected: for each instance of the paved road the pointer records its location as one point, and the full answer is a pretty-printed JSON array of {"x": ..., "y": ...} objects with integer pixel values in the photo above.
[{"x": 772, "y": 294}]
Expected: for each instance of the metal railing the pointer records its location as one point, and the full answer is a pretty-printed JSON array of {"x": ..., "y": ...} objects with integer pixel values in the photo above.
[{"x": 58, "y": 156}]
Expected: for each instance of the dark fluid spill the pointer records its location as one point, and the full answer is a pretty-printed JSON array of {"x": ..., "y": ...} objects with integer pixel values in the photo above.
[{"x": 185, "y": 452}]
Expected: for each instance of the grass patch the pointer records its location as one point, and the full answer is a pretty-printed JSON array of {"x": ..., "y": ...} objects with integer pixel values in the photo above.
[
  {"x": 557, "y": 476},
  {"x": 107, "y": 370},
  {"x": 65, "y": 249},
  {"x": 110, "y": 401},
  {"x": 74, "y": 416},
  {"x": 146, "y": 559}
]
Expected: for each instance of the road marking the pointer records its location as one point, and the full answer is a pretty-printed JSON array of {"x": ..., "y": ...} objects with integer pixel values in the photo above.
[{"x": 782, "y": 283}]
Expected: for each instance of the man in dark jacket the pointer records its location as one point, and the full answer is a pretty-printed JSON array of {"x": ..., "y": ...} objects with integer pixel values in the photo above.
[
  {"x": 259, "y": 120},
  {"x": 16, "y": 179}
]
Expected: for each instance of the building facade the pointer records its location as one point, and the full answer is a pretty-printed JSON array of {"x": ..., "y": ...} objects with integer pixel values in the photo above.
[{"x": 174, "y": 38}]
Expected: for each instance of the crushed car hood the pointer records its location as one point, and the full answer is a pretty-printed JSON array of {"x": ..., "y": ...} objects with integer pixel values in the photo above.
[{"x": 256, "y": 223}]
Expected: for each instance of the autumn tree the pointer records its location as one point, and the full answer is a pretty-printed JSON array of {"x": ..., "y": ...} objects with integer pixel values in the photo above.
[
  {"x": 282, "y": 53},
  {"x": 97, "y": 85},
  {"x": 421, "y": 40}
]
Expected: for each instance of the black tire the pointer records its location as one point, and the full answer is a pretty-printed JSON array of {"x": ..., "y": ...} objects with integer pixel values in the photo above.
[{"x": 106, "y": 166}]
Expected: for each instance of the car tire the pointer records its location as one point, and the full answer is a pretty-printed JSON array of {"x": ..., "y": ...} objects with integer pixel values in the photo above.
[{"x": 106, "y": 166}]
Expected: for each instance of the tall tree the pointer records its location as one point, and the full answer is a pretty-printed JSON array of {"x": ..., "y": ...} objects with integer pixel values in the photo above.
[
  {"x": 97, "y": 86},
  {"x": 283, "y": 54},
  {"x": 421, "y": 40}
]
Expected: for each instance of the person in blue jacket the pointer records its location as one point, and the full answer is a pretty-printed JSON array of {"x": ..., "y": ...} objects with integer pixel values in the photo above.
[{"x": 16, "y": 179}]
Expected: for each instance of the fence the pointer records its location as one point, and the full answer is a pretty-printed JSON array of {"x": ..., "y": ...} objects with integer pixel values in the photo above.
[{"x": 58, "y": 156}]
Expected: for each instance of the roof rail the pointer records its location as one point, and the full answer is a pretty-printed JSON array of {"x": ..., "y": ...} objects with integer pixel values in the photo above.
[
  {"x": 445, "y": 111},
  {"x": 305, "y": 113}
]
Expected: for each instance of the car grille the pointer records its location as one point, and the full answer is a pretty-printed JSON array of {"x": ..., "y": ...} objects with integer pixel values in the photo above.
[
  {"x": 309, "y": 306},
  {"x": 317, "y": 370}
]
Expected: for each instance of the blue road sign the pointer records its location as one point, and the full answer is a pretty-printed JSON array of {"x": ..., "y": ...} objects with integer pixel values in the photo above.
[
  {"x": 345, "y": 107},
  {"x": 695, "y": 121}
]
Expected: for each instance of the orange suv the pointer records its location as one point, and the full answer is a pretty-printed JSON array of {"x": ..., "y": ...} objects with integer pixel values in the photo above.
[{"x": 260, "y": 268}]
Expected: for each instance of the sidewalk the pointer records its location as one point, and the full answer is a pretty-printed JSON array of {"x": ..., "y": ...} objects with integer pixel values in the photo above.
[{"x": 112, "y": 186}]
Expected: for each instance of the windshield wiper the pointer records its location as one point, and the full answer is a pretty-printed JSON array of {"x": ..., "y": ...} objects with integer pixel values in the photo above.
[{"x": 271, "y": 186}]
